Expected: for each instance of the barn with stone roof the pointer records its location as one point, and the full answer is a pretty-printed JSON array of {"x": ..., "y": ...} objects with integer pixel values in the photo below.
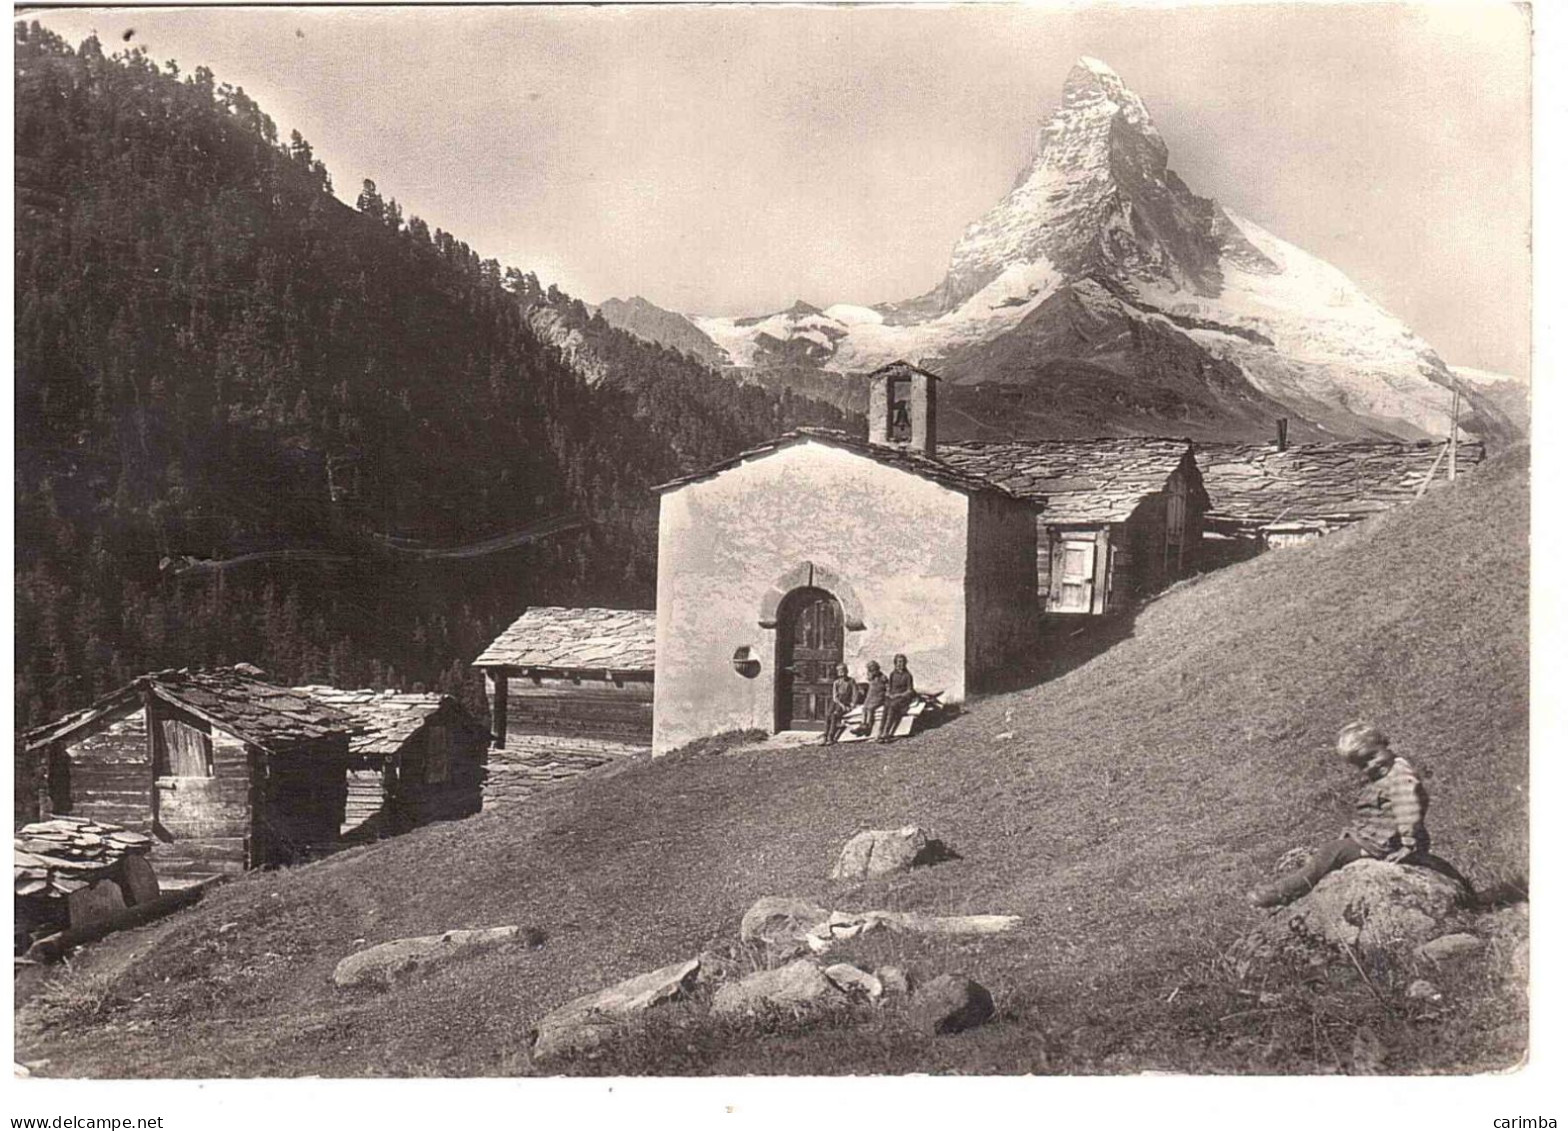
[
  {"x": 1279, "y": 495},
  {"x": 417, "y": 757},
  {"x": 820, "y": 548},
  {"x": 222, "y": 769},
  {"x": 1120, "y": 518},
  {"x": 570, "y": 690}
]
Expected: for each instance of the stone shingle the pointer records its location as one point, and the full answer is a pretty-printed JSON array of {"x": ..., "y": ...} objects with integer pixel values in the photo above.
[
  {"x": 581, "y": 639},
  {"x": 1334, "y": 484},
  {"x": 386, "y": 719},
  {"x": 1074, "y": 481},
  {"x": 916, "y": 463},
  {"x": 271, "y": 716}
]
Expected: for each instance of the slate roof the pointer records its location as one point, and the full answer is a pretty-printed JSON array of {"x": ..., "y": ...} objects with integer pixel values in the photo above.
[
  {"x": 916, "y": 463},
  {"x": 387, "y": 719},
  {"x": 270, "y": 716},
  {"x": 1075, "y": 481},
  {"x": 53, "y": 858},
  {"x": 585, "y": 639},
  {"x": 1334, "y": 483}
]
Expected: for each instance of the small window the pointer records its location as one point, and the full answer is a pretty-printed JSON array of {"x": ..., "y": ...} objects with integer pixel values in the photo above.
[
  {"x": 438, "y": 755},
  {"x": 184, "y": 750}
]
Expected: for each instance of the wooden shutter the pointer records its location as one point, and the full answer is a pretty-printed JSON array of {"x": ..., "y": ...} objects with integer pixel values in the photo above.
[
  {"x": 1077, "y": 575},
  {"x": 185, "y": 750}
]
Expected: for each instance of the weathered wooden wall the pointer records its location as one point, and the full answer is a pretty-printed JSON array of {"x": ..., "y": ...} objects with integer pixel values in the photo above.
[
  {"x": 208, "y": 816},
  {"x": 363, "y": 808},
  {"x": 999, "y": 622},
  {"x": 413, "y": 799},
  {"x": 584, "y": 707},
  {"x": 105, "y": 773},
  {"x": 300, "y": 802},
  {"x": 533, "y": 762}
]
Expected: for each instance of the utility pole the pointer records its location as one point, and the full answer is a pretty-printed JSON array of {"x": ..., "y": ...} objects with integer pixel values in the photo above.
[{"x": 1453, "y": 436}]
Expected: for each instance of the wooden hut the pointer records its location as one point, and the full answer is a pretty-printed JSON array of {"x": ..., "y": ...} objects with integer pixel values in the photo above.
[
  {"x": 417, "y": 758},
  {"x": 569, "y": 690},
  {"x": 1271, "y": 495},
  {"x": 1119, "y": 519},
  {"x": 222, "y": 769}
]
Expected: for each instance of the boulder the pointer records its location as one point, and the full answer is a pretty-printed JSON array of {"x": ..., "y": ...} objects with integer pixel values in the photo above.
[
  {"x": 796, "y": 926},
  {"x": 1369, "y": 903},
  {"x": 894, "y": 980},
  {"x": 878, "y": 852},
  {"x": 854, "y": 981},
  {"x": 389, "y": 962},
  {"x": 1422, "y": 990},
  {"x": 1448, "y": 947},
  {"x": 798, "y": 985},
  {"x": 951, "y": 1004},
  {"x": 781, "y": 921},
  {"x": 585, "y": 1022}
]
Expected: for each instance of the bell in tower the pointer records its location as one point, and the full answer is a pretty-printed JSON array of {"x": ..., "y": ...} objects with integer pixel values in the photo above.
[{"x": 902, "y": 411}]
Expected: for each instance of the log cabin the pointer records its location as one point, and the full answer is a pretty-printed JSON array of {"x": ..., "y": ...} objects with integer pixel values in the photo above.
[
  {"x": 1119, "y": 518},
  {"x": 418, "y": 757},
  {"x": 223, "y": 770},
  {"x": 570, "y": 689}
]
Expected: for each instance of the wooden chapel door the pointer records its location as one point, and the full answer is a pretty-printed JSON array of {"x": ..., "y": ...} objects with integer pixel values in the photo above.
[{"x": 811, "y": 638}]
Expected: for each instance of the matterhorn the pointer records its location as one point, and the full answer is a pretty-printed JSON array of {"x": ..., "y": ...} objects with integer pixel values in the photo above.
[{"x": 1102, "y": 295}]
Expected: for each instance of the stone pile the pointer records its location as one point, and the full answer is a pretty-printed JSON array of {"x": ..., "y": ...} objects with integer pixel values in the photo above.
[{"x": 63, "y": 855}]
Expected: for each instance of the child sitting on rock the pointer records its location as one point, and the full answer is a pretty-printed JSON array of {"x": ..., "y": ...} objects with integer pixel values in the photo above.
[{"x": 1390, "y": 821}]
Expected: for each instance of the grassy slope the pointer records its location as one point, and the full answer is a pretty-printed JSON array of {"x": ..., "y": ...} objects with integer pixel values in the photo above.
[{"x": 1142, "y": 793}]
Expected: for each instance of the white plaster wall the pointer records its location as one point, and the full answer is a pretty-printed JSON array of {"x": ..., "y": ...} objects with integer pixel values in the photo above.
[{"x": 897, "y": 539}]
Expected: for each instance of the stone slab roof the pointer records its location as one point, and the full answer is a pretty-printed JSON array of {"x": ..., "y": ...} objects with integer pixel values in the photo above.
[
  {"x": 916, "y": 463},
  {"x": 1075, "y": 481},
  {"x": 64, "y": 854},
  {"x": 582, "y": 639},
  {"x": 235, "y": 699},
  {"x": 387, "y": 719},
  {"x": 1332, "y": 483}
]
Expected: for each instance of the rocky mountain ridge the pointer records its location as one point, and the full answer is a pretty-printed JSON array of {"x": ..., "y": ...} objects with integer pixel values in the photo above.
[{"x": 1280, "y": 332}]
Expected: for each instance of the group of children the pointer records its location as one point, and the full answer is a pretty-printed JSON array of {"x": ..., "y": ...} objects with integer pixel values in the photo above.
[{"x": 891, "y": 694}]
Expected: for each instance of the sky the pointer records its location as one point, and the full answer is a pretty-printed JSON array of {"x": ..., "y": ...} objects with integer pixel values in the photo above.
[{"x": 730, "y": 160}]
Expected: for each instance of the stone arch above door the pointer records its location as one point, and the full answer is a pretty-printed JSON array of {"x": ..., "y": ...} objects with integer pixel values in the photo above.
[{"x": 809, "y": 575}]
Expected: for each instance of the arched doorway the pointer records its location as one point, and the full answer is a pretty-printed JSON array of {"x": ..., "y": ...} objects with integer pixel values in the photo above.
[{"x": 810, "y": 648}]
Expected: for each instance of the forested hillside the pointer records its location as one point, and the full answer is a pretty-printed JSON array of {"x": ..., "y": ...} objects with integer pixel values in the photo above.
[{"x": 254, "y": 423}]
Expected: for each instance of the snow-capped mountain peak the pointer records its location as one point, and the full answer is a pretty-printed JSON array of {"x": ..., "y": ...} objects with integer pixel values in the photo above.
[{"x": 1242, "y": 316}]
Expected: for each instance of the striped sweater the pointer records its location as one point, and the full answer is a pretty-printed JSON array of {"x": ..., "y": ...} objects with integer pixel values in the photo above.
[{"x": 1391, "y": 810}]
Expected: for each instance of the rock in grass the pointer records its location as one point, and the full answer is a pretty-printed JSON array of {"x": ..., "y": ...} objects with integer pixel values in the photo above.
[
  {"x": 780, "y": 920},
  {"x": 1367, "y": 904},
  {"x": 800, "y": 984},
  {"x": 951, "y": 1004},
  {"x": 585, "y": 1022},
  {"x": 1449, "y": 947},
  {"x": 877, "y": 852},
  {"x": 394, "y": 961},
  {"x": 894, "y": 980},
  {"x": 1422, "y": 990},
  {"x": 854, "y": 981}
]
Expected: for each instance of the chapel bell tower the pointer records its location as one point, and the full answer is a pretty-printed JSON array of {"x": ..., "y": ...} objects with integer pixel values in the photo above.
[{"x": 902, "y": 412}]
